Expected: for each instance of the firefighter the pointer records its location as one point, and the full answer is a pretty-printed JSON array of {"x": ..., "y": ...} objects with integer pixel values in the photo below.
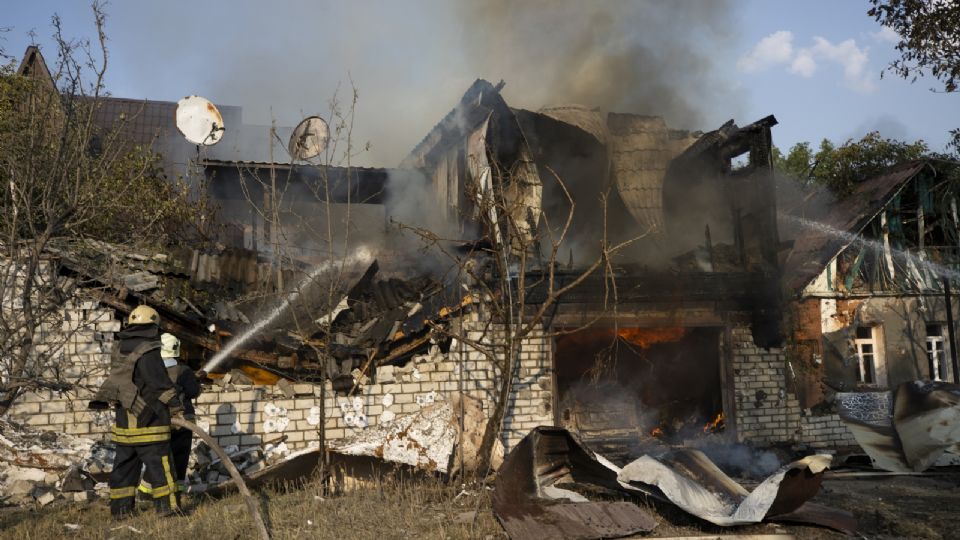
[
  {"x": 145, "y": 399},
  {"x": 188, "y": 388}
]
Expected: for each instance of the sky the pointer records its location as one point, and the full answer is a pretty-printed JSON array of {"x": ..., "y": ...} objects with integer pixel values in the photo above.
[{"x": 816, "y": 65}]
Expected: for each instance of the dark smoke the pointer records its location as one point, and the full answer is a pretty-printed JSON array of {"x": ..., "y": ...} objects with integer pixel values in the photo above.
[
  {"x": 645, "y": 57},
  {"x": 411, "y": 61}
]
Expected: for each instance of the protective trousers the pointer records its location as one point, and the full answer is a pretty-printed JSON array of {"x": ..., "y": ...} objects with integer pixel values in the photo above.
[
  {"x": 125, "y": 477},
  {"x": 180, "y": 442}
]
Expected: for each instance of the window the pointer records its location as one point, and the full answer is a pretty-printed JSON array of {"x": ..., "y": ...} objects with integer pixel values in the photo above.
[
  {"x": 936, "y": 352},
  {"x": 870, "y": 356}
]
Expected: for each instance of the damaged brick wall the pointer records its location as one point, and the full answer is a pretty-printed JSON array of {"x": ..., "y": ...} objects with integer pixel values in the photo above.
[
  {"x": 250, "y": 415},
  {"x": 768, "y": 411},
  {"x": 83, "y": 341}
]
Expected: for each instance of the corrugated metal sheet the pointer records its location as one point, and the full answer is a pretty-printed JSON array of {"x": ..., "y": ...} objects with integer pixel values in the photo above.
[
  {"x": 641, "y": 148},
  {"x": 815, "y": 247}
]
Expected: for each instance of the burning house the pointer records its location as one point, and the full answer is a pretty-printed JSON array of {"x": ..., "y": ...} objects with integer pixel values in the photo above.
[
  {"x": 675, "y": 335},
  {"x": 692, "y": 338}
]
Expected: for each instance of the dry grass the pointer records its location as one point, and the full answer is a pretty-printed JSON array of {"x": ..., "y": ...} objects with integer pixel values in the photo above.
[
  {"x": 403, "y": 509},
  {"x": 894, "y": 507}
]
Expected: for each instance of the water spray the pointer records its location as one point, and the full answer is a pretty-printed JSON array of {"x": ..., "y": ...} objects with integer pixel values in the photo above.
[
  {"x": 361, "y": 255},
  {"x": 876, "y": 245}
]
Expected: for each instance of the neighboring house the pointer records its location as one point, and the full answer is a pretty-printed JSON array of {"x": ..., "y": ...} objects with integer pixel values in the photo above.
[{"x": 867, "y": 275}]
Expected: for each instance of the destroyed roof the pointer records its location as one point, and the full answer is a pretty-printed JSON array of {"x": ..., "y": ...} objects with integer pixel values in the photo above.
[
  {"x": 473, "y": 108},
  {"x": 813, "y": 250},
  {"x": 591, "y": 121},
  {"x": 641, "y": 150}
]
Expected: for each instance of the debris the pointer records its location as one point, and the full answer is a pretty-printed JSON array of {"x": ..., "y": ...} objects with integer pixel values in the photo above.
[
  {"x": 72, "y": 526},
  {"x": 550, "y": 463},
  {"x": 525, "y": 511},
  {"x": 252, "y": 505},
  {"x": 424, "y": 439},
  {"x": 46, "y": 498},
  {"x": 287, "y": 388},
  {"x": 688, "y": 479},
  {"x": 905, "y": 431}
]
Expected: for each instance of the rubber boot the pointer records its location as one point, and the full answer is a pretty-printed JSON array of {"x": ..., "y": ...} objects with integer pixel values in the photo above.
[{"x": 164, "y": 509}]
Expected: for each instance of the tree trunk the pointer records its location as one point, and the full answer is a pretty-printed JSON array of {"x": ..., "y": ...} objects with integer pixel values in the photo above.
[
  {"x": 495, "y": 422},
  {"x": 7, "y": 398}
]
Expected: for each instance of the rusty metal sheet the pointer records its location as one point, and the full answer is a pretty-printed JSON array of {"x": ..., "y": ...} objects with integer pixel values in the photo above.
[{"x": 523, "y": 503}]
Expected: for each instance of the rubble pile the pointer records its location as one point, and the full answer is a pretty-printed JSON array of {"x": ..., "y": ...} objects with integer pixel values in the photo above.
[
  {"x": 42, "y": 466},
  {"x": 208, "y": 470}
]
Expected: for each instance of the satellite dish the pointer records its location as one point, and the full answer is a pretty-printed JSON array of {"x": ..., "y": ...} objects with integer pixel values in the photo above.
[
  {"x": 199, "y": 121},
  {"x": 309, "y": 138}
]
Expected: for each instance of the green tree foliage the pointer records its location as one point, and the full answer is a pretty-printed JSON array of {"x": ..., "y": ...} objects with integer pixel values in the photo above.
[
  {"x": 64, "y": 174},
  {"x": 929, "y": 41},
  {"x": 841, "y": 168}
]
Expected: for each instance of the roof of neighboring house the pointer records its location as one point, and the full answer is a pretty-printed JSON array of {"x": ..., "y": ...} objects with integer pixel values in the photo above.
[
  {"x": 835, "y": 228},
  {"x": 140, "y": 122},
  {"x": 33, "y": 65}
]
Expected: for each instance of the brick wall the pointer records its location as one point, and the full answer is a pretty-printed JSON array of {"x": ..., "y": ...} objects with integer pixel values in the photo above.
[
  {"x": 78, "y": 346},
  {"x": 767, "y": 411},
  {"x": 247, "y": 415}
]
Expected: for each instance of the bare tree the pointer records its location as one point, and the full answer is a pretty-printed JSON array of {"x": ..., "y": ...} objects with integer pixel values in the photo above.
[
  {"x": 514, "y": 272},
  {"x": 65, "y": 176}
]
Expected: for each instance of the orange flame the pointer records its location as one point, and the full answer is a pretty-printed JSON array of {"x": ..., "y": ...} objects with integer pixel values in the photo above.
[
  {"x": 656, "y": 432},
  {"x": 716, "y": 425},
  {"x": 644, "y": 337}
]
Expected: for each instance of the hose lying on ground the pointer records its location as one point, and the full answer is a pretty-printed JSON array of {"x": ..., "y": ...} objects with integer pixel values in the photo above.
[{"x": 234, "y": 473}]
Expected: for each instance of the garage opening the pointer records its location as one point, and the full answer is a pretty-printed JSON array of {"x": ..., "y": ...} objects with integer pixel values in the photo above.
[{"x": 623, "y": 389}]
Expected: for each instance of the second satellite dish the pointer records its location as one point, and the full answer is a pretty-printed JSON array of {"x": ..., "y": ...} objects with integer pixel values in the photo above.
[
  {"x": 199, "y": 121},
  {"x": 309, "y": 138}
]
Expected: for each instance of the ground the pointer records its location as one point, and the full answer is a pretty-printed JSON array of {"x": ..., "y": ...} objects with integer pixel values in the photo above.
[{"x": 887, "y": 506}]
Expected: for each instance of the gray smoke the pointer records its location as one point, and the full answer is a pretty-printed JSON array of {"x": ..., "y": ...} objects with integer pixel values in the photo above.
[
  {"x": 644, "y": 57},
  {"x": 741, "y": 460},
  {"x": 412, "y": 61}
]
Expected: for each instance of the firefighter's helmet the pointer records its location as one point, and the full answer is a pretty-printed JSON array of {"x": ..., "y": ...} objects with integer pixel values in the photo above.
[
  {"x": 144, "y": 315},
  {"x": 170, "y": 346}
]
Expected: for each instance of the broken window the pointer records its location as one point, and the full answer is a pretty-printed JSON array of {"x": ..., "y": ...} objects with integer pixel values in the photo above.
[
  {"x": 870, "y": 355},
  {"x": 936, "y": 352}
]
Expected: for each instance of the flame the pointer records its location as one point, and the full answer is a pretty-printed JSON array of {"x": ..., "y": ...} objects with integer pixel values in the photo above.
[
  {"x": 656, "y": 432},
  {"x": 716, "y": 425},
  {"x": 644, "y": 337}
]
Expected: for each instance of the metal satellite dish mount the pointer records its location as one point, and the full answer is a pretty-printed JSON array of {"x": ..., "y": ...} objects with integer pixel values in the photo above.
[
  {"x": 199, "y": 121},
  {"x": 309, "y": 139}
]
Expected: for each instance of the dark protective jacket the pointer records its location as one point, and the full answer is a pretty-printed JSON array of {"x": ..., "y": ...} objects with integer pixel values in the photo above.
[
  {"x": 188, "y": 388},
  {"x": 152, "y": 424}
]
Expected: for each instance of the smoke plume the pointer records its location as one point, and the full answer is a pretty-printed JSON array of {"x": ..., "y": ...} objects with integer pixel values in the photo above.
[{"x": 411, "y": 61}]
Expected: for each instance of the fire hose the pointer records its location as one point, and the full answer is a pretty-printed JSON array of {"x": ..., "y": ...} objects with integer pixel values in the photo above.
[{"x": 252, "y": 505}]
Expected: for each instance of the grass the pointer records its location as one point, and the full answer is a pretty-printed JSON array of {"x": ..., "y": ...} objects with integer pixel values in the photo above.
[
  {"x": 424, "y": 507},
  {"x": 398, "y": 509}
]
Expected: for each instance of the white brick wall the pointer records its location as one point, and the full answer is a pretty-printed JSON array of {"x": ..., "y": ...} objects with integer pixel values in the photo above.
[
  {"x": 767, "y": 412},
  {"x": 238, "y": 415}
]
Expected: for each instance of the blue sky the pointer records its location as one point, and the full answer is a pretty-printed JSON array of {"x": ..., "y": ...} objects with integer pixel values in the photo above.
[{"x": 815, "y": 64}]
